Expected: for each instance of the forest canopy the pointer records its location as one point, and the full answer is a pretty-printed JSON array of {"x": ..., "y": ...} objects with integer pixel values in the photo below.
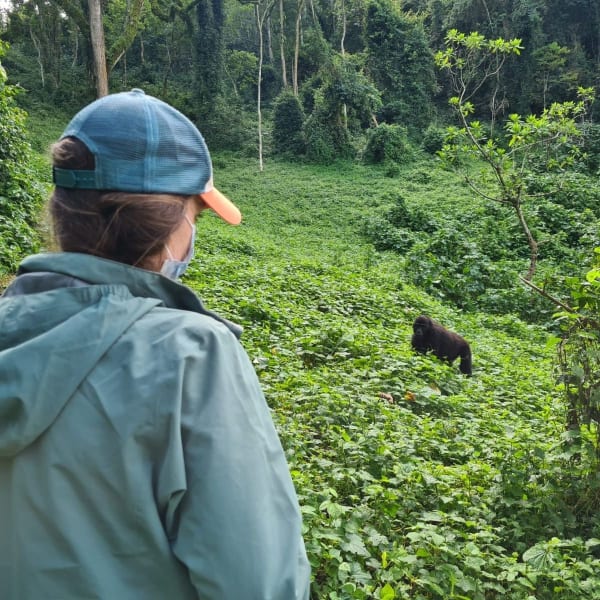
[{"x": 351, "y": 63}]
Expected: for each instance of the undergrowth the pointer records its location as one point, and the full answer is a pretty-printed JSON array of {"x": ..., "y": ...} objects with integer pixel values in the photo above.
[{"x": 414, "y": 482}]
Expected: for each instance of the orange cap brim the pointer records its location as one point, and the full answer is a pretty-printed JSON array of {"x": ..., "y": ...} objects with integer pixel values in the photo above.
[{"x": 222, "y": 205}]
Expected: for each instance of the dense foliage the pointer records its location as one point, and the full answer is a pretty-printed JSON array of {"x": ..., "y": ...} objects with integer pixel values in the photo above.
[
  {"x": 413, "y": 480},
  {"x": 203, "y": 56},
  {"x": 472, "y": 253},
  {"x": 288, "y": 119},
  {"x": 401, "y": 64},
  {"x": 388, "y": 144},
  {"x": 579, "y": 358},
  {"x": 20, "y": 194}
]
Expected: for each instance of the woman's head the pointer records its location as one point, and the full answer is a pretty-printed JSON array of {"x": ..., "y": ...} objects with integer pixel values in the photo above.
[
  {"x": 127, "y": 170},
  {"x": 126, "y": 227},
  {"x": 143, "y": 145}
]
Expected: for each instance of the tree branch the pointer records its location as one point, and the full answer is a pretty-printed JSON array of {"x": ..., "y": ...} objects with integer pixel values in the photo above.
[{"x": 548, "y": 296}]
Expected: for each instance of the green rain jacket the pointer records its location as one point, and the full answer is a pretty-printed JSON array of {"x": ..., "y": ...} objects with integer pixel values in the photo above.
[{"x": 138, "y": 457}]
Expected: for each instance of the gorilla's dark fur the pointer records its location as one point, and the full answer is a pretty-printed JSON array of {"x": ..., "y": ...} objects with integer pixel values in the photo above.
[{"x": 446, "y": 345}]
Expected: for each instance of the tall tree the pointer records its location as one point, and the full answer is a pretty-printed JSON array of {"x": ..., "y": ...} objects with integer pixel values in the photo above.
[
  {"x": 282, "y": 44},
  {"x": 299, "y": 9},
  {"x": 262, "y": 11},
  {"x": 98, "y": 47},
  {"x": 209, "y": 49}
]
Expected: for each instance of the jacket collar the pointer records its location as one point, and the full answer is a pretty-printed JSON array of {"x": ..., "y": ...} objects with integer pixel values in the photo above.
[{"x": 140, "y": 282}]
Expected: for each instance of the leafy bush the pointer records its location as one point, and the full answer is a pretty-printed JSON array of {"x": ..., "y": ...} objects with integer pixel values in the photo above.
[
  {"x": 452, "y": 267},
  {"x": 241, "y": 70},
  {"x": 591, "y": 148},
  {"x": 320, "y": 145},
  {"x": 580, "y": 355},
  {"x": 20, "y": 195},
  {"x": 326, "y": 141},
  {"x": 571, "y": 190},
  {"x": 385, "y": 236},
  {"x": 433, "y": 139},
  {"x": 415, "y": 219},
  {"x": 388, "y": 143},
  {"x": 288, "y": 119},
  {"x": 400, "y": 227},
  {"x": 231, "y": 128}
]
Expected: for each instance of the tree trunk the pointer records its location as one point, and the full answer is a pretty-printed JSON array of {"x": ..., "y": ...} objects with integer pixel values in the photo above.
[
  {"x": 533, "y": 245},
  {"x": 297, "y": 47},
  {"x": 270, "y": 41},
  {"x": 37, "y": 46},
  {"x": 98, "y": 47},
  {"x": 75, "y": 49},
  {"x": 343, "y": 39},
  {"x": 343, "y": 52},
  {"x": 282, "y": 43},
  {"x": 259, "y": 24}
]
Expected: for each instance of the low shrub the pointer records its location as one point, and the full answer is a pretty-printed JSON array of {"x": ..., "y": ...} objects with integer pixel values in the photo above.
[
  {"x": 288, "y": 120},
  {"x": 388, "y": 143},
  {"x": 433, "y": 139}
]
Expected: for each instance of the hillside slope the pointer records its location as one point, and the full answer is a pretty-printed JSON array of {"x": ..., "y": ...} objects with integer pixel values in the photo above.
[{"x": 414, "y": 481}]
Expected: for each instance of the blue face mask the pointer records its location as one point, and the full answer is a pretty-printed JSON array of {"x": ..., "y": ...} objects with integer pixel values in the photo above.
[{"x": 174, "y": 269}]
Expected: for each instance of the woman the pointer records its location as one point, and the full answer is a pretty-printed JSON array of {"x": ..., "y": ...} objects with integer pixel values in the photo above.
[{"x": 138, "y": 458}]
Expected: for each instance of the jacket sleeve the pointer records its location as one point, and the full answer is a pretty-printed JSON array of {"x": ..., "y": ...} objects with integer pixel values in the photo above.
[{"x": 237, "y": 525}]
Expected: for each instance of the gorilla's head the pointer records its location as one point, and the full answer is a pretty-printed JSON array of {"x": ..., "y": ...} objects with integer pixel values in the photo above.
[{"x": 422, "y": 326}]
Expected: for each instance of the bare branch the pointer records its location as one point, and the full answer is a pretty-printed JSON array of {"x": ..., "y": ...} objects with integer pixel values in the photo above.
[{"x": 544, "y": 293}]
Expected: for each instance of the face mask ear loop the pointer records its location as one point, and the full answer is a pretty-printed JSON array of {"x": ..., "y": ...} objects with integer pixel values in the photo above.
[{"x": 173, "y": 268}]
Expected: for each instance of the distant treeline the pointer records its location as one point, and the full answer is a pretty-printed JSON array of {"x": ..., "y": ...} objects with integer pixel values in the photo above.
[{"x": 354, "y": 63}]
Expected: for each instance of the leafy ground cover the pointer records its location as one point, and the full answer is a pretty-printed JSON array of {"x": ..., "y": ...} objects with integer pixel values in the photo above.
[{"x": 414, "y": 481}]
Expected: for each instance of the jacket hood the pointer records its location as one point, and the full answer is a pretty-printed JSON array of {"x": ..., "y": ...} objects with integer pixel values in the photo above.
[{"x": 56, "y": 322}]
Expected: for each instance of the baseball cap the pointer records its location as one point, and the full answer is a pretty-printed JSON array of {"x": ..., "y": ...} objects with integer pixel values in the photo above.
[{"x": 143, "y": 145}]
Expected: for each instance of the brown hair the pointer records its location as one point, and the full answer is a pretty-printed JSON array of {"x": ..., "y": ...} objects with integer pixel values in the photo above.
[{"x": 122, "y": 226}]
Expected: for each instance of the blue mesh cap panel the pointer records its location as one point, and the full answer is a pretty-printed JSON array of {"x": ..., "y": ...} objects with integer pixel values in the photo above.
[
  {"x": 182, "y": 158},
  {"x": 142, "y": 144}
]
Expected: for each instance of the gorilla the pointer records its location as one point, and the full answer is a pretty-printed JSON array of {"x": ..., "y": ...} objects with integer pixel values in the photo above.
[{"x": 446, "y": 345}]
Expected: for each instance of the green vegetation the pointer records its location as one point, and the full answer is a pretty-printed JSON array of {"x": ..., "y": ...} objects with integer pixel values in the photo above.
[
  {"x": 414, "y": 481},
  {"x": 546, "y": 145},
  {"x": 579, "y": 354},
  {"x": 352, "y": 64},
  {"x": 20, "y": 194}
]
